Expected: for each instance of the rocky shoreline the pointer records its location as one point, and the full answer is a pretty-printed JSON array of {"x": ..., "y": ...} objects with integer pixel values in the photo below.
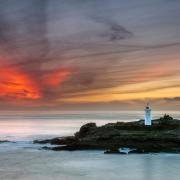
[{"x": 162, "y": 136}]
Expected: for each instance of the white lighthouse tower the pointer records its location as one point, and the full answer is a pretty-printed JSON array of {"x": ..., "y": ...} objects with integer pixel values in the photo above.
[{"x": 147, "y": 117}]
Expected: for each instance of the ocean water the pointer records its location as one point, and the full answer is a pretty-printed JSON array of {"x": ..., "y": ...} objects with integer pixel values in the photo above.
[{"x": 23, "y": 160}]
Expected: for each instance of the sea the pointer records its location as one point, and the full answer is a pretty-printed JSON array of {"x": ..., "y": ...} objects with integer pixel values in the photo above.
[{"x": 20, "y": 159}]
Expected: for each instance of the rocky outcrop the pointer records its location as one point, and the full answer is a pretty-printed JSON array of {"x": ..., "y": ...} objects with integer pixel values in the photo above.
[
  {"x": 3, "y": 141},
  {"x": 162, "y": 136}
]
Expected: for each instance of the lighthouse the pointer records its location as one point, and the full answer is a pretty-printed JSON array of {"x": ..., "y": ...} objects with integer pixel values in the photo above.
[{"x": 147, "y": 116}]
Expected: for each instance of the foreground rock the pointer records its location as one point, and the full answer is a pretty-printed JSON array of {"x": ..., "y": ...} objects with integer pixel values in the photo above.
[
  {"x": 4, "y": 141},
  {"x": 162, "y": 136}
]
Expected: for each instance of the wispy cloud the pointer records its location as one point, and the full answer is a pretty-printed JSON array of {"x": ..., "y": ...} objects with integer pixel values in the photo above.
[
  {"x": 74, "y": 49},
  {"x": 113, "y": 30}
]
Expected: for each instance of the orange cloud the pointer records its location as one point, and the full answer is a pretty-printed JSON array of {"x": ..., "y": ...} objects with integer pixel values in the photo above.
[
  {"x": 14, "y": 83},
  {"x": 57, "y": 77}
]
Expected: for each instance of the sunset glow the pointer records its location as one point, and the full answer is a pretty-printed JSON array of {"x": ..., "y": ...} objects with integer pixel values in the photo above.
[
  {"x": 70, "y": 56},
  {"x": 57, "y": 77},
  {"x": 16, "y": 84}
]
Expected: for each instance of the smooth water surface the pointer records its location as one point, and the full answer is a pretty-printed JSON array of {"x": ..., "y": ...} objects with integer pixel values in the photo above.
[{"x": 23, "y": 160}]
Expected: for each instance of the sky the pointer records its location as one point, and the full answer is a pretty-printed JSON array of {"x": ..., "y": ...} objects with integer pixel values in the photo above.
[{"x": 89, "y": 55}]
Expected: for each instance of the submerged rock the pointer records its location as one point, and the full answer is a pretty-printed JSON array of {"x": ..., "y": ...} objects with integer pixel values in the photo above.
[{"x": 6, "y": 141}]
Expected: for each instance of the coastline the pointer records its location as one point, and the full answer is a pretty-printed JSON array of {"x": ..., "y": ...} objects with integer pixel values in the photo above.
[{"x": 162, "y": 136}]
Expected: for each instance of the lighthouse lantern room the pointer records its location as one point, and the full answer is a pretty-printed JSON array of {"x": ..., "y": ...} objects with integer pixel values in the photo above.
[{"x": 147, "y": 118}]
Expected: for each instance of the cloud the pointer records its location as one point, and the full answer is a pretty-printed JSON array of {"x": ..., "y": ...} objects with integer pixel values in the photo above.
[
  {"x": 56, "y": 77},
  {"x": 23, "y": 30},
  {"x": 14, "y": 83},
  {"x": 172, "y": 99},
  {"x": 67, "y": 49},
  {"x": 113, "y": 31}
]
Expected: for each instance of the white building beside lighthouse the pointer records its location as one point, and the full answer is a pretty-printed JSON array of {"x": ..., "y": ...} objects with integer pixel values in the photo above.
[{"x": 147, "y": 116}]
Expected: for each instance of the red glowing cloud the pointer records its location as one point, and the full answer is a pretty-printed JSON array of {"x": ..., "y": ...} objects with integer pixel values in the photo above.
[
  {"x": 14, "y": 83},
  {"x": 57, "y": 77}
]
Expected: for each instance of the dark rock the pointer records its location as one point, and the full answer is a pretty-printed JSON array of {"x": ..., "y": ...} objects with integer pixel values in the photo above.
[
  {"x": 162, "y": 136},
  {"x": 85, "y": 130},
  {"x": 4, "y": 141},
  {"x": 57, "y": 141}
]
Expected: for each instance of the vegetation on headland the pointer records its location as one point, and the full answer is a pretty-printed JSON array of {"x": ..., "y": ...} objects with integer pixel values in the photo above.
[{"x": 162, "y": 136}]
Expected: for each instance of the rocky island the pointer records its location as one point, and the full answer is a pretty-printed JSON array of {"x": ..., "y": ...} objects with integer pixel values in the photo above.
[{"x": 162, "y": 136}]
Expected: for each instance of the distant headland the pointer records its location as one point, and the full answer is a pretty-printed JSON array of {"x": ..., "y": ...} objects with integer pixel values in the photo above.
[{"x": 162, "y": 136}]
